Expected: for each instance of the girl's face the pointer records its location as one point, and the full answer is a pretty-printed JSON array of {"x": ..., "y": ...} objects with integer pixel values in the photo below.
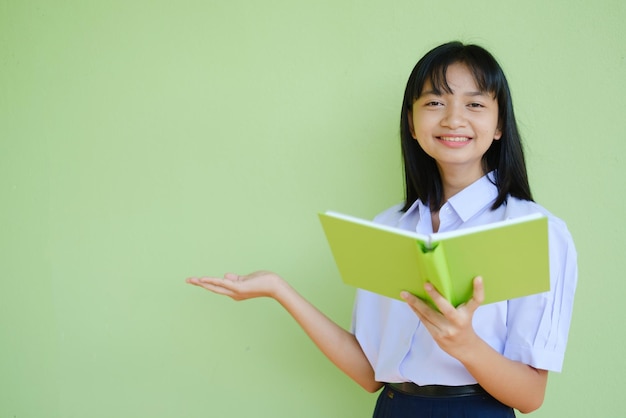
[{"x": 457, "y": 128}]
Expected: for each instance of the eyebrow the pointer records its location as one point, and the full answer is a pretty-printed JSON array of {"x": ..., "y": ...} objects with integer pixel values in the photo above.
[
  {"x": 469, "y": 94},
  {"x": 476, "y": 93}
]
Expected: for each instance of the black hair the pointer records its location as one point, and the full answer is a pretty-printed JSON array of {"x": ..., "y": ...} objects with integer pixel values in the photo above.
[{"x": 506, "y": 156}]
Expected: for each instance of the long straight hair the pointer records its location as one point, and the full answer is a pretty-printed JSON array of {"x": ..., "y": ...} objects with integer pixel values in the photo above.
[{"x": 506, "y": 156}]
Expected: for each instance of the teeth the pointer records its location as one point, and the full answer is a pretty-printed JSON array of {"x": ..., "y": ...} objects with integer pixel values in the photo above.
[{"x": 454, "y": 138}]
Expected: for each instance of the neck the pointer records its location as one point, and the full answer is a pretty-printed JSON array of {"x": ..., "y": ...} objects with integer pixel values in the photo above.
[{"x": 455, "y": 179}]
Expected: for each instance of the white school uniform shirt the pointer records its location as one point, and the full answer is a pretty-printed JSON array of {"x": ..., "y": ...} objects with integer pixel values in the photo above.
[{"x": 532, "y": 330}]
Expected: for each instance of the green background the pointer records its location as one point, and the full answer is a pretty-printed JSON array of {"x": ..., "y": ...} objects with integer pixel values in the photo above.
[{"x": 142, "y": 142}]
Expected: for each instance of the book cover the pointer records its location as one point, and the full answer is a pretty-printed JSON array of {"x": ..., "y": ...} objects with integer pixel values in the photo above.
[{"x": 511, "y": 256}]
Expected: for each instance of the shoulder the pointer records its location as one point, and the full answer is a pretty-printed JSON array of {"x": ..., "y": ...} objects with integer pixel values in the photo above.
[
  {"x": 390, "y": 216},
  {"x": 518, "y": 207},
  {"x": 558, "y": 228}
]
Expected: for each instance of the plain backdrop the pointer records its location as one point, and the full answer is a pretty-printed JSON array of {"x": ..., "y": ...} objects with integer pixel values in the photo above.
[{"x": 142, "y": 142}]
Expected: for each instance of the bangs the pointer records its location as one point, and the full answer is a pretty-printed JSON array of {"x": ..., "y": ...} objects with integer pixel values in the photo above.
[
  {"x": 439, "y": 82},
  {"x": 486, "y": 72}
]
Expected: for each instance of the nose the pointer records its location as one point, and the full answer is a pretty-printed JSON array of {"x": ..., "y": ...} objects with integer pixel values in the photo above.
[{"x": 454, "y": 117}]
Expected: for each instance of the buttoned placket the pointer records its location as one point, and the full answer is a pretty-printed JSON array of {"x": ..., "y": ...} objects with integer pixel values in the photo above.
[{"x": 448, "y": 219}]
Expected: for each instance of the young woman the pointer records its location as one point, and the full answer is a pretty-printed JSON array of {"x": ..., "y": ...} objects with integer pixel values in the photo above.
[{"x": 464, "y": 166}]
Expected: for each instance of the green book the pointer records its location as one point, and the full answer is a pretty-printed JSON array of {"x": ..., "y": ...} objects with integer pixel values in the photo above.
[{"x": 511, "y": 256}]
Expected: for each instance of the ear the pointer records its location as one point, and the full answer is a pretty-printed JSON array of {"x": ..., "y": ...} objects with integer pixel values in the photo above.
[
  {"x": 498, "y": 134},
  {"x": 409, "y": 117}
]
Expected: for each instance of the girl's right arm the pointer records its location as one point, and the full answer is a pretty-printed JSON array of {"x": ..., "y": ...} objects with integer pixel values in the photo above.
[{"x": 339, "y": 345}]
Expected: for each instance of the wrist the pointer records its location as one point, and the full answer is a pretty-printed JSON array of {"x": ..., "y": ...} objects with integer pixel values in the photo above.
[
  {"x": 280, "y": 288},
  {"x": 474, "y": 351}
]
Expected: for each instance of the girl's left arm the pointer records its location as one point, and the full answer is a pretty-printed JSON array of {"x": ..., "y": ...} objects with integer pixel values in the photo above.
[{"x": 515, "y": 384}]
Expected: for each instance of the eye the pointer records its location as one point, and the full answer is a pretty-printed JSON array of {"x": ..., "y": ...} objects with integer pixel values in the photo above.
[
  {"x": 476, "y": 105},
  {"x": 433, "y": 103}
]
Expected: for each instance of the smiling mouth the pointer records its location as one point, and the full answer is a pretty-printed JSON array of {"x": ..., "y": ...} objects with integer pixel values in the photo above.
[{"x": 454, "y": 138}]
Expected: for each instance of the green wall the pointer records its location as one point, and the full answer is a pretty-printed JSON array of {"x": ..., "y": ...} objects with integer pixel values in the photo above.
[{"x": 142, "y": 142}]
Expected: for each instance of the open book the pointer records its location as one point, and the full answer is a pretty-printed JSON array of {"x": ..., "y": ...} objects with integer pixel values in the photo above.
[{"x": 511, "y": 256}]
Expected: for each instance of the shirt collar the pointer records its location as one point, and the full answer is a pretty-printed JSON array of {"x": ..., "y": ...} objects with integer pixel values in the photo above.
[
  {"x": 475, "y": 197},
  {"x": 469, "y": 201}
]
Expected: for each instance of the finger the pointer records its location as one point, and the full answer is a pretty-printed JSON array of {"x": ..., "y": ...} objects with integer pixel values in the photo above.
[
  {"x": 413, "y": 301},
  {"x": 440, "y": 302},
  {"x": 233, "y": 277},
  {"x": 478, "y": 295},
  {"x": 215, "y": 281},
  {"x": 193, "y": 280},
  {"x": 197, "y": 281},
  {"x": 218, "y": 285},
  {"x": 424, "y": 311}
]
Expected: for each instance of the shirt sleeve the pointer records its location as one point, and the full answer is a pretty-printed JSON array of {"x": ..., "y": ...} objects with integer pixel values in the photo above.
[{"x": 538, "y": 325}]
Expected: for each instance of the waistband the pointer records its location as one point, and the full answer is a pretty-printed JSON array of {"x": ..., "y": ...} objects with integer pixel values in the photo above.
[{"x": 437, "y": 391}]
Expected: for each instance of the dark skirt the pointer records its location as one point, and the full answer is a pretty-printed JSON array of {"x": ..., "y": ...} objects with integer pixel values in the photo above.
[{"x": 394, "y": 404}]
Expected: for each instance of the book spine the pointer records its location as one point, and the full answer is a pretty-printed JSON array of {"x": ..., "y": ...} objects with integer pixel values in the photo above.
[{"x": 436, "y": 271}]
